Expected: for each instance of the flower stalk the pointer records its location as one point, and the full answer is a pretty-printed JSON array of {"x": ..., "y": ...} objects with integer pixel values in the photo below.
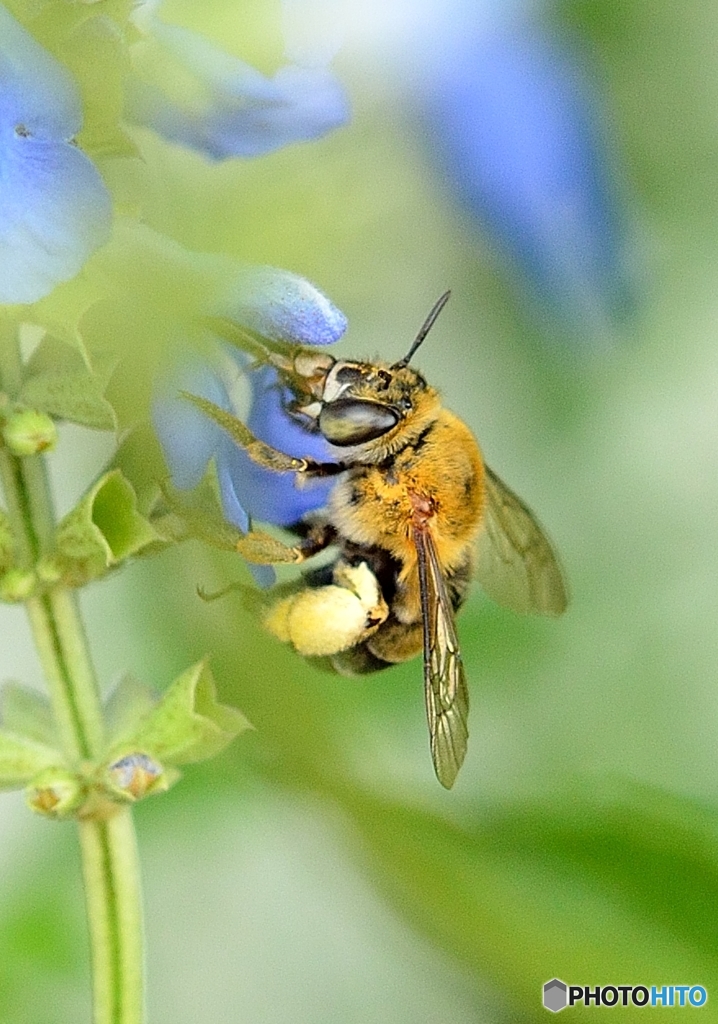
[{"x": 109, "y": 851}]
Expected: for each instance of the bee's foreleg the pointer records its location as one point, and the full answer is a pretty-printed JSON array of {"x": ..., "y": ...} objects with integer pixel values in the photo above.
[
  {"x": 321, "y": 621},
  {"x": 263, "y": 454}
]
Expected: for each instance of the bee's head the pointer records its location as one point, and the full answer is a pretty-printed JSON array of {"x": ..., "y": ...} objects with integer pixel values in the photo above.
[{"x": 377, "y": 407}]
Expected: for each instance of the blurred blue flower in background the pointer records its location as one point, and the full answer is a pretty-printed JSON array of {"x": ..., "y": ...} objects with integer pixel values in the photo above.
[
  {"x": 196, "y": 95},
  {"x": 514, "y": 127},
  {"x": 54, "y": 208},
  {"x": 283, "y": 307}
]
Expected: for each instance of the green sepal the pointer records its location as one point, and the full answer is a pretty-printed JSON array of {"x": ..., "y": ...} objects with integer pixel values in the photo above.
[
  {"x": 89, "y": 39},
  {"x": 17, "y": 585},
  {"x": 59, "y": 382},
  {"x": 102, "y": 531},
  {"x": 22, "y": 758},
  {"x": 188, "y": 724},
  {"x": 27, "y": 712},
  {"x": 56, "y": 793},
  {"x": 140, "y": 459},
  {"x": 97, "y": 55}
]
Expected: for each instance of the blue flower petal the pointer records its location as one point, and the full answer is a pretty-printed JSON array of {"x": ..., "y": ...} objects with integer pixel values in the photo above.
[
  {"x": 266, "y": 495},
  {"x": 515, "y": 130},
  {"x": 188, "y": 438},
  {"x": 229, "y": 481},
  {"x": 227, "y": 108},
  {"x": 54, "y": 208},
  {"x": 283, "y": 307}
]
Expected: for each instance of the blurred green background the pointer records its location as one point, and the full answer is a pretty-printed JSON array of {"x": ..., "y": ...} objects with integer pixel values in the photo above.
[{"x": 317, "y": 873}]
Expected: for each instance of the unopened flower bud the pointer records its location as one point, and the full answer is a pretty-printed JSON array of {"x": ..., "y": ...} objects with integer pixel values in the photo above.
[
  {"x": 56, "y": 793},
  {"x": 28, "y": 432},
  {"x": 135, "y": 776},
  {"x": 17, "y": 585}
]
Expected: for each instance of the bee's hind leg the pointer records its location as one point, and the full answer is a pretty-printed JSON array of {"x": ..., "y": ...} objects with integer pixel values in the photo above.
[{"x": 322, "y": 621}]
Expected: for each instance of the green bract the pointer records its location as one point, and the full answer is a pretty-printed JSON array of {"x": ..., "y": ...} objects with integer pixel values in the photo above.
[
  {"x": 188, "y": 724},
  {"x": 102, "y": 531},
  {"x": 21, "y": 759}
]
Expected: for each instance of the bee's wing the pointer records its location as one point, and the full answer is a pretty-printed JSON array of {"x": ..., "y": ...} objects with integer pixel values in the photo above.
[
  {"x": 516, "y": 566},
  {"x": 447, "y": 699}
]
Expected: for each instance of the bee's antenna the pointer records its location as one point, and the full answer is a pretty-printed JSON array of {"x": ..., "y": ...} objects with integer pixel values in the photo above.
[{"x": 425, "y": 328}]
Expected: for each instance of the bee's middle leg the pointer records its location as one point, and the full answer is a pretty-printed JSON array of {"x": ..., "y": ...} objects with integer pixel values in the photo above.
[
  {"x": 263, "y": 549},
  {"x": 321, "y": 621}
]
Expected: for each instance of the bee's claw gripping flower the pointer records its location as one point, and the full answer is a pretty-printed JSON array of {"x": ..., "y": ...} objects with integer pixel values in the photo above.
[{"x": 54, "y": 208}]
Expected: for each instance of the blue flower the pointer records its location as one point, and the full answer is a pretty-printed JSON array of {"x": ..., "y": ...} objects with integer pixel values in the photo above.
[
  {"x": 513, "y": 125},
  {"x": 249, "y": 490},
  {"x": 194, "y": 94},
  {"x": 54, "y": 208},
  {"x": 284, "y": 307}
]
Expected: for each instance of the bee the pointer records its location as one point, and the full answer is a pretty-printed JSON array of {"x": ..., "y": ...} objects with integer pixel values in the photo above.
[{"x": 414, "y": 513}]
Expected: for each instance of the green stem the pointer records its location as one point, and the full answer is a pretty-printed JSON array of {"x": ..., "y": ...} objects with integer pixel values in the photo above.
[
  {"x": 111, "y": 870},
  {"x": 110, "y": 863}
]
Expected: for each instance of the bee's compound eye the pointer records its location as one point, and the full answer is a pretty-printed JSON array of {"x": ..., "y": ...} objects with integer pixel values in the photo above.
[{"x": 349, "y": 421}]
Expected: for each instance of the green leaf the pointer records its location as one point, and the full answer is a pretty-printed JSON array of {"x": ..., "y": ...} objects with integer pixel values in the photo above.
[
  {"x": 188, "y": 724},
  {"x": 59, "y": 381},
  {"x": 102, "y": 531},
  {"x": 589, "y": 887},
  {"x": 70, "y": 396},
  {"x": 21, "y": 759},
  {"x": 28, "y": 713}
]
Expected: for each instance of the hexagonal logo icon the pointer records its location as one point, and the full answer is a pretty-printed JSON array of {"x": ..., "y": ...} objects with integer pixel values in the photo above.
[{"x": 554, "y": 995}]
